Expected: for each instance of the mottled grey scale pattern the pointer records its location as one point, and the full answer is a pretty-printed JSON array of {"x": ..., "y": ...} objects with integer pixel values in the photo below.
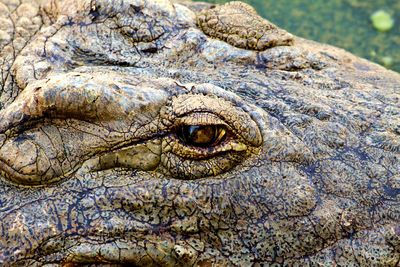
[{"x": 93, "y": 170}]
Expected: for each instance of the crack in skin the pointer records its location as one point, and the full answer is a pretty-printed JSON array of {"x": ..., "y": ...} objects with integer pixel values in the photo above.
[{"x": 93, "y": 173}]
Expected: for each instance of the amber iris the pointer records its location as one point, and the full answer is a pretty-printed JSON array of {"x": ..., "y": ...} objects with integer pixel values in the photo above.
[{"x": 201, "y": 135}]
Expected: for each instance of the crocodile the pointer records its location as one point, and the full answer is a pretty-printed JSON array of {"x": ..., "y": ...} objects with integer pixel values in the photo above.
[{"x": 174, "y": 133}]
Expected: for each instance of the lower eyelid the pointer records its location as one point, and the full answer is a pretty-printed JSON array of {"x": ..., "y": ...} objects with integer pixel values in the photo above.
[
  {"x": 180, "y": 167},
  {"x": 191, "y": 152}
]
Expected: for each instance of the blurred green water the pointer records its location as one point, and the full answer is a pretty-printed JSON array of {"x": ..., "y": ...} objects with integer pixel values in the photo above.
[{"x": 343, "y": 23}]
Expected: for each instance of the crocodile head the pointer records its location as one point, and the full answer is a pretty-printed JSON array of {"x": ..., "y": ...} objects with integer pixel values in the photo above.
[{"x": 152, "y": 133}]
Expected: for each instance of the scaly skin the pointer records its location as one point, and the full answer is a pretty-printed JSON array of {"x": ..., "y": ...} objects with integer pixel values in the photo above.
[
  {"x": 238, "y": 24},
  {"x": 96, "y": 166}
]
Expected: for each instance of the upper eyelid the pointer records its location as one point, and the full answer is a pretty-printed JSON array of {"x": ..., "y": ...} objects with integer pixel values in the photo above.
[{"x": 200, "y": 118}]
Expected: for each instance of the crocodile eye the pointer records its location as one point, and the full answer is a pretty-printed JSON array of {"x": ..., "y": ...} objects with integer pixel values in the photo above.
[
  {"x": 201, "y": 135},
  {"x": 208, "y": 134}
]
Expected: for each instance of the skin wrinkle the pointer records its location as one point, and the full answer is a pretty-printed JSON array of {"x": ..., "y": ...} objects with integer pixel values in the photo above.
[{"x": 316, "y": 182}]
